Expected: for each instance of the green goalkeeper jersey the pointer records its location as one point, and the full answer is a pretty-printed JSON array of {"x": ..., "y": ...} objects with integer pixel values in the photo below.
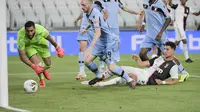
[{"x": 39, "y": 39}]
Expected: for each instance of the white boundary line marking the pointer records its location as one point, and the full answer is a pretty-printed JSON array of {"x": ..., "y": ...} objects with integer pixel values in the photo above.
[
  {"x": 16, "y": 109},
  {"x": 29, "y": 73}
]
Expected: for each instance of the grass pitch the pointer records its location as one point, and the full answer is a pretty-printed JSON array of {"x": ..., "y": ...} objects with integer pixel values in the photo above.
[{"x": 65, "y": 94}]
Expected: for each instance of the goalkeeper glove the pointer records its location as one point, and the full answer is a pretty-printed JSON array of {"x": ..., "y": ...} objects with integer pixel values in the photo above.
[
  {"x": 37, "y": 68},
  {"x": 60, "y": 52}
]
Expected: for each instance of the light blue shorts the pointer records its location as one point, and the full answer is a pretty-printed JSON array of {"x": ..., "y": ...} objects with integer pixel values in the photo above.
[
  {"x": 88, "y": 36},
  {"x": 149, "y": 42},
  {"x": 106, "y": 51}
]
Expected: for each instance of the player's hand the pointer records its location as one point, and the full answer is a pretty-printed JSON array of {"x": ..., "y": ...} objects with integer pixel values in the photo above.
[
  {"x": 141, "y": 29},
  {"x": 60, "y": 52},
  {"x": 135, "y": 57},
  {"x": 83, "y": 31},
  {"x": 158, "y": 37},
  {"x": 158, "y": 81},
  {"x": 37, "y": 68},
  {"x": 75, "y": 22}
]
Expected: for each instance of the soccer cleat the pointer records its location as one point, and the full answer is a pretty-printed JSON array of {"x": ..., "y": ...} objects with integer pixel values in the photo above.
[
  {"x": 42, "y": 83},
  {"x": 184, "y": 77},
  {"x": 95, "y": 80},
  {"x": 47, "y": 75},
  {"x": 80, "y": 76},
  {"x": 132, "y": 84},
  {"x": 189, "y": 60}
]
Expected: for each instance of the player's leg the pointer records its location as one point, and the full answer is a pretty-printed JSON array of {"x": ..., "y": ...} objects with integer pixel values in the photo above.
[
  {"x": 145, "y": 47},
  {"x": 45, "y": 54},
  {"x": 101, "y": 65},
  {"x": 184, "y": 74},
  {"x": 185, "y": 50},
  {"x": 180, "y": 36},
  {"x": 109, "y": 60},
  {"x": 154, "y": 54},
  {"x": 47, "y": 65},
  {"x": 34, "y": 58},
  {"x": 91, "y": 65},
  {"x": 83, "y": 42}
]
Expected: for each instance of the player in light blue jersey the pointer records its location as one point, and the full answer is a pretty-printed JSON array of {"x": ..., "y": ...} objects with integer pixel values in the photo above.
[
  {"x": 157, "y": 20},
  {"x": 102, "y": 45},
  {"x": 85, "y": 38},
  {"x": 112, "y": 6}
]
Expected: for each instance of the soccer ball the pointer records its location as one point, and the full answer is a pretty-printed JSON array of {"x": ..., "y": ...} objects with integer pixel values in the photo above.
[{"x": 30, "y": 86}]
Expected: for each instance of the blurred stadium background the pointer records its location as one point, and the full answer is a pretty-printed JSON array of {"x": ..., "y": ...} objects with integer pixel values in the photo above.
[{"x": 59, "y": 14}]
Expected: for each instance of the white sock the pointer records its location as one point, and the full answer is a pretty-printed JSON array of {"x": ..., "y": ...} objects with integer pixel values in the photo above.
[
  {"x": 81, "y": 62},
  {"x": 153, "y": 55},
  {"x": 101, "y": 64},
  {"x": 114, "y": 81},
  {"x": 182, "y": 70},
  {"x": 185, "y": 50}
]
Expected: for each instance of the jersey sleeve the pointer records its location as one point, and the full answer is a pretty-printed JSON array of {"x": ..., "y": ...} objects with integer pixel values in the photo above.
[
  {"x": 45, "y": 32},
  {"x": 100, "y": 5},
  {"x": 151, "y": 61},
  {"x": 164, "y": 10},
  {"x": 96, "y": 19},
  {"x": 174, "y": 72},
  {"x": 20, "y": 42}
]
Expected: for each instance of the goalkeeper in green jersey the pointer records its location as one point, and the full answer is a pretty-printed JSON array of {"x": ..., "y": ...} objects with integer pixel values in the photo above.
[{"x": 32, "y": 44}]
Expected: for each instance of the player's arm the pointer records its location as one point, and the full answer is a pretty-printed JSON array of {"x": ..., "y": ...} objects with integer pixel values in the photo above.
[
  {"x": 23, "y": 57},
  {"x": 127, "y": 9},
  {"x": 78, "y": 18},
  {"x": 21, "y": 50},
  {"x": 52, "y": 40},
  {"x": 174, "y": 77},
  {"x": 97, "y": 28},
  {"x": 130, "y": 11},
  {"x": 85, "y": 30},
  {"x": 140, "y": 62},
  {"x": 138, "y": 25},
  {"x": 97, "y": 34},
  {"x": 59, "y": 51},
  {"x": 166, "y": 14}
]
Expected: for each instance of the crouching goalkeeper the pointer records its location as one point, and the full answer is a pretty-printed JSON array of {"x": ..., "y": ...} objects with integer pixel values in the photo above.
[{"x": 32, "y": 45}]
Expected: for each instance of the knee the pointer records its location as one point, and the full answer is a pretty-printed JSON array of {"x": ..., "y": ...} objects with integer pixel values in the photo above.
[
  {"x": 143, "y": 56},
  {"x": 184, "y": 41},
  {"x": 87, "y": 62}
]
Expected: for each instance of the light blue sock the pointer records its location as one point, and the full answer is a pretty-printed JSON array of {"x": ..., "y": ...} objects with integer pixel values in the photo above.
[
  {"x": 118, "y": 71},
  {"x": 182, "y": 70},
  {"x": 101, "y": 63},
  {"x": 81, "y": 62},
  {"x": 93, "y": 67}
]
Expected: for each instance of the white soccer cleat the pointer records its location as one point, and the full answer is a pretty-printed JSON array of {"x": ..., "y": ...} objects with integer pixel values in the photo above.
[{"x": 80, "y": 76}]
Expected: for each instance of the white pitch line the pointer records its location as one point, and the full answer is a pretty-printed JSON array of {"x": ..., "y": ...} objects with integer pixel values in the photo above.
[{"x": 29, "y": 73}]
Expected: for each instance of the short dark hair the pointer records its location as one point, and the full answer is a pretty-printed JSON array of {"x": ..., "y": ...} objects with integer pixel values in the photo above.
[
  {"x": 171, "y": 44},
  {"x": 29, "y": 24}
]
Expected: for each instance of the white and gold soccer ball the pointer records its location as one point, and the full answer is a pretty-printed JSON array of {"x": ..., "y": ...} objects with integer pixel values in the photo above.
[{"x": 30, "y": 86}]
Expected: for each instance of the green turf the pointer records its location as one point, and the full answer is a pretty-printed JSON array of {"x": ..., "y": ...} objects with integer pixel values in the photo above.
[{"x": 64, "y": 94}]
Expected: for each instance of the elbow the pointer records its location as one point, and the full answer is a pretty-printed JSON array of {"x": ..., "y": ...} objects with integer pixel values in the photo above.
[
  {"x": 169, "y": 19},
  {"x": 175, "y": 82}
]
